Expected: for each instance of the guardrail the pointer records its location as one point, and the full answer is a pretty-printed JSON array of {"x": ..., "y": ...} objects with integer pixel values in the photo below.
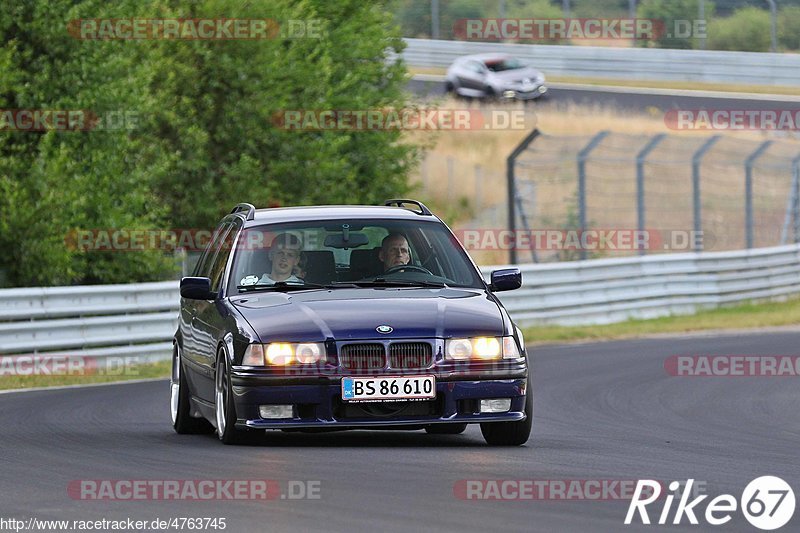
[
  {"x": 741, "y": 68},
  {"x": 139, "y": 319},
  {"x": 129, "y": 320},
  {"x": 603, "y": 291}
]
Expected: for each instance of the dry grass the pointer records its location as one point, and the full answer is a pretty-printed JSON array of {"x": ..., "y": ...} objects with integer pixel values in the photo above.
[{"x": 460, "y": 195}]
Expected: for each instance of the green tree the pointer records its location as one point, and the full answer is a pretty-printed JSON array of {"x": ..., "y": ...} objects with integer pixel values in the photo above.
[
  {"x": 668, "y": 12},
  {"x": 747, "y": 30},
  {"x": 789, "y": 27},
  {"x": 205, "y": 137},
  {"x": 54, "y": 181}
]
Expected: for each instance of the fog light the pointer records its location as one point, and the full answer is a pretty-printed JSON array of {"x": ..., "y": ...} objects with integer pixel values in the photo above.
[
  {"x": 275, "y": 411},
  {"x": 509, "y": 94},
  {"x": 496, "y": 405}
]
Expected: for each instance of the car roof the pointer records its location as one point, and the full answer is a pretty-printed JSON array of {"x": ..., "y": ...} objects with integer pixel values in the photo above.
[
  {"x": 485, "y": 57},
  {"x": 333, "y": 212}
]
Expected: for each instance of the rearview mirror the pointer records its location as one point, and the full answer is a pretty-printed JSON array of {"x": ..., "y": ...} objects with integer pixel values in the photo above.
[
  {"x": 354, "y": 240},
  {"x": 506, "y": 279},
  {"x": 197, "y": 288}
]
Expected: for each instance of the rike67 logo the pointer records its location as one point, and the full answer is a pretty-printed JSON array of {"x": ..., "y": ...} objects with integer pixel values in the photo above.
[{"x": 767, "y": 503}]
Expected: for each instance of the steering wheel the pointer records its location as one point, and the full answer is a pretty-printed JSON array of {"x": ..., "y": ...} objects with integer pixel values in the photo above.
[{"x": 412, "y": 268}]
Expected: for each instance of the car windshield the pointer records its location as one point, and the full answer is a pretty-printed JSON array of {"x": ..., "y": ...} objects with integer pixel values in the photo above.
[
  {"x": 500, "y": 65},
  {"x": 349, "y": 253}
]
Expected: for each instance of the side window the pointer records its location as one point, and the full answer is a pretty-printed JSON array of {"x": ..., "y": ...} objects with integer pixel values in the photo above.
[
  {"x": 203, "y": 268},
  {"x": 476, "y": 67},
  {"x": 218, "y": 266}
]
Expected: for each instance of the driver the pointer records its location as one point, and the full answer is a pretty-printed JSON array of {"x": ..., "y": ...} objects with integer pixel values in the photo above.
[
  {"x": 286, "y": 256},
  {"x": 394, "y": 251}
]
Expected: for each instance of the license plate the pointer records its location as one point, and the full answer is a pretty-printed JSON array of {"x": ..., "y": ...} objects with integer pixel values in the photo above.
[{"x": 389, "y": 388}]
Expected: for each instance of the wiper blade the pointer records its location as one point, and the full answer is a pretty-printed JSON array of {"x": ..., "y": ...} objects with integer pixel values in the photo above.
[
  {"x": 281, "y": 286},
  {"x": 381, "y": 282}
]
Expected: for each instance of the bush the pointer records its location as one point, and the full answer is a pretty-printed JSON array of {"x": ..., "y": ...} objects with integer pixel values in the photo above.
[
  {"x": 789, "y": 27},
  {"x": 668, "y": 11},
  {"x": 747, "y": 30}
]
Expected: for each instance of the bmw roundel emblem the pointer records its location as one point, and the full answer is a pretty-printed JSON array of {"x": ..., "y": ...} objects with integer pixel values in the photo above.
[{"x": 384, "y": 329}]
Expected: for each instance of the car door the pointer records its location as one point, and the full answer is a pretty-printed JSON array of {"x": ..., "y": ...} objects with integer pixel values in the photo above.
[
  {"x": 473, "y": 76},
  {"x": 189, "y": 339},
  {"x": 209, "y": 320}
]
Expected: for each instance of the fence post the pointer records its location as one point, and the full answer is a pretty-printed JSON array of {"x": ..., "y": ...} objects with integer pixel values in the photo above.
[
  {"x": 696, "y": 198},
  {"x": 748, "y": 192},
  {"x": 434, "y": 19},
  {"x": 793, "y": 206},
  {"x": 773, "y": 26},
  {"x": 640, "y": 160},
  {"x": 583, "y": 155},
  {"x": 511, "y": 162}
]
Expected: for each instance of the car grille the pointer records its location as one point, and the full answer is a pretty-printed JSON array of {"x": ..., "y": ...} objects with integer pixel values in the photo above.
[
  {"x": 410, "y": 355},
  {"x": 363, "y": 356}
]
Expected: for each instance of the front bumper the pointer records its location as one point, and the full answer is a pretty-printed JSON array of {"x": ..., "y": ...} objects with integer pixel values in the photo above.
[
  {"x": 317, "y": 402},
  {"x": 532, "y": 94}
]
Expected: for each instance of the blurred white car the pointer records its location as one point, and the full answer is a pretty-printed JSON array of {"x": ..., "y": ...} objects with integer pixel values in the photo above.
[{"x": 494, "y": 76}]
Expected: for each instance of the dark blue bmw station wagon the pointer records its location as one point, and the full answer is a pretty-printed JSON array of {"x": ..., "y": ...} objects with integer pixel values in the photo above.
[{"x": 346, "y": 317}]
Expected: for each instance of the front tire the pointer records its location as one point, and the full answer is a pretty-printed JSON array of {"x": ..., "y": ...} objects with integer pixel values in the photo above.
[
  {"x": 511, "y": 433},
  {"x": 182, "y": 421},
  {"x": 224, "y": 408}
]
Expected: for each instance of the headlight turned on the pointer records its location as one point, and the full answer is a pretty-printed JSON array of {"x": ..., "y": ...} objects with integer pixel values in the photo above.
[
  {"x": 283, "y": 353},
  {"x": 482, "y": 349}
]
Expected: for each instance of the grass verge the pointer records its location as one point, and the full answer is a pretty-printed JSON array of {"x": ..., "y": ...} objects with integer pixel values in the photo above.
[
  {"x": 143, "y": 371},
  {"x": 740, "y": 317}
]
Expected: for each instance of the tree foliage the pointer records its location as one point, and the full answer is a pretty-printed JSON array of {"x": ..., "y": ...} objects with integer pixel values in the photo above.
[
  {"x": 204, "y": 137},
  {"x": 747, "y": 30}
]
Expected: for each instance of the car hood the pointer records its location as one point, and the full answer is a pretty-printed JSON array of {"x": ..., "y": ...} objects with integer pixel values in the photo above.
[
  {"x": 347, "y": 314},
  {"x": 517, "y": 75}
]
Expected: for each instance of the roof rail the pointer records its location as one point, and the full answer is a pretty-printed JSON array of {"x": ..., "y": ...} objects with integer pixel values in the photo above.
[
  {"x": 400, "y": 203},
  {"x": 243, "y": 207}
]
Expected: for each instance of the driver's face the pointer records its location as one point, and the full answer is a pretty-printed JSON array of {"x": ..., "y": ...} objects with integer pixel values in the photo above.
[
  {"x": 283, "y": 262},
  {"x": 395, "y": 252}
]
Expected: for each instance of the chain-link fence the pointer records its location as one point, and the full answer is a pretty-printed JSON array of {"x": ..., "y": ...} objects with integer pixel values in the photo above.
[
  {"x": 730, "y": 193},
  {"x": 685, "y": 192}
]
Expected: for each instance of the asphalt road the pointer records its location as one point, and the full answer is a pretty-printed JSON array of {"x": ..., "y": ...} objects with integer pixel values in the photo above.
[
  {"x": 603, "y": 411},
  {"x": 633, "y": 99}
]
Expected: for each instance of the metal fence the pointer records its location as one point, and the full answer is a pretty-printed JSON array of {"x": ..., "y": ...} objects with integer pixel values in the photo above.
[
  {"x": 131, "y": 320},
  {"x": 605, "y": 291},
  {"x": 735, "y": 193}
]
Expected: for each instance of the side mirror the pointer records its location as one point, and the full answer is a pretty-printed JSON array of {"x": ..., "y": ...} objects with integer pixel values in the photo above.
[
  {"x": 507, "y": 279},
  {"x": 197, "y": 289}
]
